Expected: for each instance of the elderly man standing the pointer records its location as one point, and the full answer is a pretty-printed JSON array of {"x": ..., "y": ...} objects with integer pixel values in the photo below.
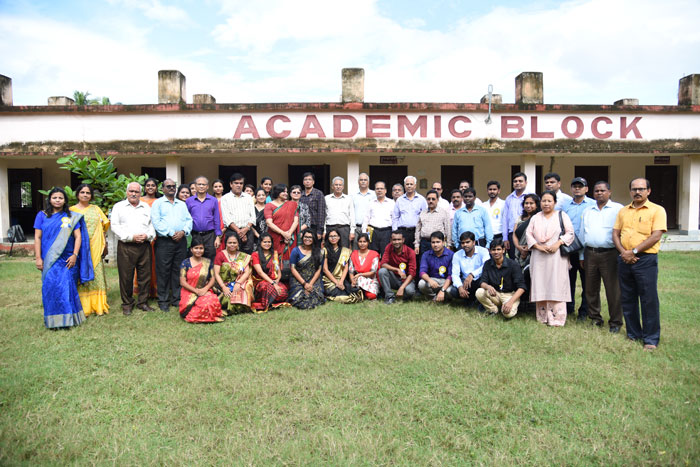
[
  {"x": 433, "y": 219},
  {"x": 130, "y": 221},
  {"x": 637, "y": 236},
  {"x": 377, "y": 221},
  {"x": 206, "y": 223},
  {"x": 172, "y": 223},
  {"x": 361, "y": 200},
  {"x": 472, "y": 218},
  {"x": 406, "y": 211},
  {"x": 599, "y": 256},
  {"x": 340, "y": 213},
  {"x": 238, "y": 212}
]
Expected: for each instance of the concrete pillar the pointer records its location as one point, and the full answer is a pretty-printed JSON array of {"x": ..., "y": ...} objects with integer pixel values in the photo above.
[
  {"x": 529, "y": 88},
  {"x": 689, "y": 90},
  {"x": 4, "y": 200},
  {"x": 5, "y": 90},
  {"x": 495, "y": 99},
  {"x": 529, "y": 168},
  {"x": 627, "y": 101},
  {"x": 353, "y": 173},
  {"x": 690, "y": 195},
  {"x": 172, "y": 168},
  {"x": 203, "y": 99},
  {"x": 171, "y": 87},
  {"x": 60, "y": 100},
  {"x": 353, "y": 84}
]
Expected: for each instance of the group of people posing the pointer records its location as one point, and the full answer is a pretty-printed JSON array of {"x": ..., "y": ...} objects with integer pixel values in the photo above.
[{"x": 256, "y": 249}]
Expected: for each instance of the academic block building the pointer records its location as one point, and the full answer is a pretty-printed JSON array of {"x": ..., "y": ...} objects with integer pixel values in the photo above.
[{"x": 489, "y": 140}]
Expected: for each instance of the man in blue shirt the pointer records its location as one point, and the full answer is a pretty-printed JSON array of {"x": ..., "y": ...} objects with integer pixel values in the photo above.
[
  {"x": 172, "y": 222},
  {"x": 574, "y": 209},
  {"x": 435, "y": 269},
  {"x": 472, "y": 218},
  {"x": 599, "y": 256},
  {"x": 467, "y": 265},
  {"x": 406, "y": 211}
]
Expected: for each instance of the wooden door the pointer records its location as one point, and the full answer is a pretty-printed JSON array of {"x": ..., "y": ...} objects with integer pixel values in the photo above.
[
  {"x": 389, "y": 174},
  {"x": 664, "y": 190}
]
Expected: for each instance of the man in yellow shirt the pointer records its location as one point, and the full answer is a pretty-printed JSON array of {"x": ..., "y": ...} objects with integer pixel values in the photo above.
[{"x": 637, "y": 236}]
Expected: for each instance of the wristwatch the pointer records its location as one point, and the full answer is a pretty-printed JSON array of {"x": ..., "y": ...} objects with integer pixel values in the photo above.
[{"x": 634, "y": 250}]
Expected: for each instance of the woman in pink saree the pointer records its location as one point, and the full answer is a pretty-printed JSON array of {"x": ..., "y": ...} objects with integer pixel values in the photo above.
[{"x": 282, "y": 221}]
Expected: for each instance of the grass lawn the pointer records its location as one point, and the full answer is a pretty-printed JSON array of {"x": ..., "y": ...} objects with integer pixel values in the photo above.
[{"x": 354, "y": 384}]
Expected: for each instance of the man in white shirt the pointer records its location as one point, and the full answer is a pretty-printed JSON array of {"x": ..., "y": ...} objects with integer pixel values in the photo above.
[
  {"x": 552, "y": 182},
  {"x": 361, "y": 200},
  {"x": 130, "y": 221},
  {"x": 442, "y": 202},
  {"x": 494, "y": 206},
  {"x": 238, "y": 212},
  {"x": 377, "y": 220},
  {"x": 340, "y": 212}
]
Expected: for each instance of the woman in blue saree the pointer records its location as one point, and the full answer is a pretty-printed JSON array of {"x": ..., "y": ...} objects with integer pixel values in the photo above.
[{"x": 62, "y": 250}]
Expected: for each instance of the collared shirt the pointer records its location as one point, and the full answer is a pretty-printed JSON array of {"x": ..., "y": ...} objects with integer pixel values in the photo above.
[
  {"x": 170, "y": 217},
  {"x": 407, "y": 258},
  {"x": 495, "y": 214},
  {"x": 238, "y": 210},
  {"x": 378, "y": 214},
  {"x": 562, "y": 199},
  {"x": 127, "y": 220},
  {"x": 597, "y": 225},
  {"x": 444, "y": 204},
  {"x": 476, "y": 221},
  {"x": 436, "y": 266},
  {"x": 406, "y": 211},
  {"x": 637, "y": 224},
  {"x": 205, "y": 214},
  {"x": 317, "y": 208},
  {"x": 453, "y": 210},
  {"x": 463, "y": 265},
  {"x": 433, "y": 221},
  {"x": 508, "y": 278},
  {"x": 339, "y": 210},
  {"x": 575, "y": 212},
  {"x": 512, "y": 210},
  {"x": 361, "y": 202}
]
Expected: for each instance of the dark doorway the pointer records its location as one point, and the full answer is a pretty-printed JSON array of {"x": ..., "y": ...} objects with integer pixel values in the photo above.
[
  {"x": 250, "y": 172},
  {"x": 25, "y": 199},
  {"x": 539, "y": 182},
  {"x": 451, "y": 175},
  {"x": 664, "y": 190},
  {"x": 592, "y": 174},
  {"x": 295, "y": 176},
  {"x": 154, "y": 172},
  {"x": 389, "y": 174}
]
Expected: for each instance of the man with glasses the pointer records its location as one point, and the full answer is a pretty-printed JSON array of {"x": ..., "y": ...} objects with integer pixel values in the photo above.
[
  {"x": 574, "y": 209},
  {"x": 360, "y": 201},
  {"x": 377, "y": 221},
  {"x": 442, "y": 202},
  {"x": 599, "y": 256},
  {"x": 238, "y": 212},
  {"x": 340, "y": 213},
  {"x": 637, "y": 236},
  {"x": 206, "y": 221},
  {"x": 172, "y": 222}
]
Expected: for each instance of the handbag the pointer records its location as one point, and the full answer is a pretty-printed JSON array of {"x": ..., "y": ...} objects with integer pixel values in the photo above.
[{"x": 575, "y": 246}]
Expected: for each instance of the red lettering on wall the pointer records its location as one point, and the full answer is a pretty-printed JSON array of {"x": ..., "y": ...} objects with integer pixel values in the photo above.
[
  {"x": 246, "y": 126},
  {"x": 512, "y": 127},
  {"x": 337, "y": 126},
  {"x": 371, "y": 126},
  {"x": 535, "y": 134},
  {"x": 438, "y": 126},
  {"x": 270, "y": 126},
  {"x": 451, "y": 126},
  {"x": 405, "y": 124},
  {"x": 596, "y": 132},
  {"x": 625, "y": 128},
  {"x": 311, "y": 126},
  {"x": 565, "y": 127}
]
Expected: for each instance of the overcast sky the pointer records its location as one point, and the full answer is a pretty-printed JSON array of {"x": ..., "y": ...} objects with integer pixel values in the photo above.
[{"x": 590, "y": 51}]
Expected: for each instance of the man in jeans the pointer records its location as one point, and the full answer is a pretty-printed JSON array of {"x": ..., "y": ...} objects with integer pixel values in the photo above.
[{"x": 397, "y": 270}]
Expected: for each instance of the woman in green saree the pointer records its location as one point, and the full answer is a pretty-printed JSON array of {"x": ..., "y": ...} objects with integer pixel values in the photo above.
[{"x": 232, "y": 272}]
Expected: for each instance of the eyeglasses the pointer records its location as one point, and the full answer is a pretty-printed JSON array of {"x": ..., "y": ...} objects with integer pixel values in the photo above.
[
  {"x": 168, "y": 186},
  {"x": 638, "y": 190}
]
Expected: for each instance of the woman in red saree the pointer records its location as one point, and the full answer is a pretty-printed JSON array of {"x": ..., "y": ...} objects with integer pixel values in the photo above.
[
  {"x": 269, "y": 291},
  {"x": 282, "y": 220},
  {"x": 198, "y": 304}
]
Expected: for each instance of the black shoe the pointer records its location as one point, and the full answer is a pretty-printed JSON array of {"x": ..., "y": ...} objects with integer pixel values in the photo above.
[
  {"x": 165, "y": 309},
  {"x": 597, "y": 323},
  {"x": 145, "y": 307},
  {"x": 389, "y": 300},
  {"x": 582, "y": 317},
  {"x": 614, "y": 329},
  {"x": 126, "y": 311}
]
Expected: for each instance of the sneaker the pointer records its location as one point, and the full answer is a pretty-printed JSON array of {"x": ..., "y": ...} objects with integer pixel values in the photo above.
[{"x": 389, "y": 300}]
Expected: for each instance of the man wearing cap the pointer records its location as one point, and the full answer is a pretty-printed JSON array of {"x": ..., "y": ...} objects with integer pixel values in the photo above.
[
  {"x": 574, "y": 209},
  {"x": 637, "y": 236}
]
